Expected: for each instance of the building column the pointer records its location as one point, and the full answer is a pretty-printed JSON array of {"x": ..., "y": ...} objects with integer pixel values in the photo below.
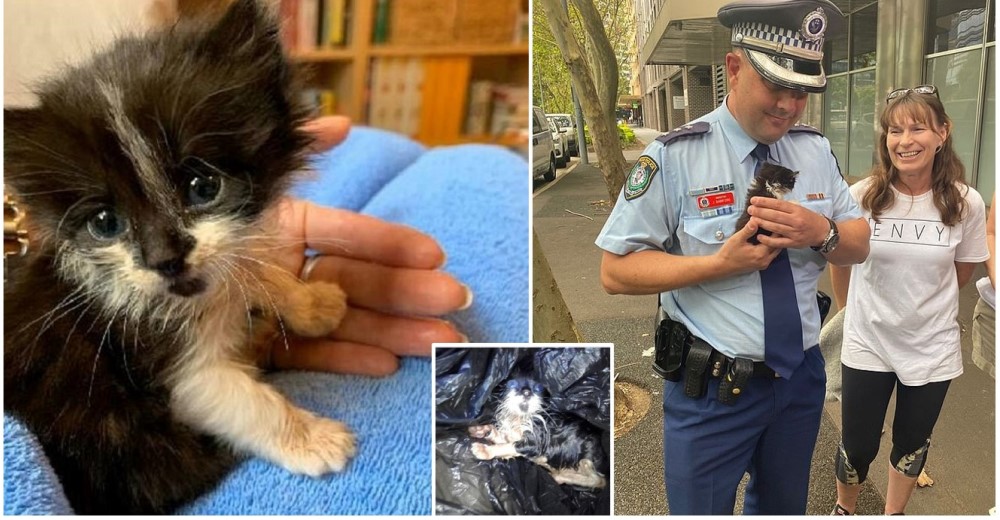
[{"x": 899, "y": 49}]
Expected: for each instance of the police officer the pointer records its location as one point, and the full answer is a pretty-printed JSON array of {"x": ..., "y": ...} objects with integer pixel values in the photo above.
[{"x": 751, "y": 383}]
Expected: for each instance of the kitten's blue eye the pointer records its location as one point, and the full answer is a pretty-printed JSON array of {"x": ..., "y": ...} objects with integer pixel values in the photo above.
[
  {"x": 106, "y": 224},
  {"x": 203, "y": 189},
  {"x": 537, "y": 388},
  {"x": 512, "y": 384}
]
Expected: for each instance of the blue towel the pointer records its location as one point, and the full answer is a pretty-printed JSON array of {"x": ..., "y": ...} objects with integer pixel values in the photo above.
[{"x": 474, "y": 200}]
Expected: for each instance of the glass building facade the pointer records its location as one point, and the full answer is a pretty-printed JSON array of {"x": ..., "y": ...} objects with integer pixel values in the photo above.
[{"x": 957, "y": 56}]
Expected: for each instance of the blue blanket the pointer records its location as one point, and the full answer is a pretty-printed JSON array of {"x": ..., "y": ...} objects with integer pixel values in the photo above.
[{"x": 474, "y": 200}]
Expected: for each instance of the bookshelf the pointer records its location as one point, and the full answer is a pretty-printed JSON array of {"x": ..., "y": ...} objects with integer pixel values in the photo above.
[{"x": 441, "y": 71}]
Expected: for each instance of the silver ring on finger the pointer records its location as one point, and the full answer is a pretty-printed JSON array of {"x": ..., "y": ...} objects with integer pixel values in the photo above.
[{"x": 308, "y": 267}]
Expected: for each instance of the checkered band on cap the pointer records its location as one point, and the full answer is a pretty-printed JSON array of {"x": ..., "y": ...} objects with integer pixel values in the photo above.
[{"x": 788, "y": 37}]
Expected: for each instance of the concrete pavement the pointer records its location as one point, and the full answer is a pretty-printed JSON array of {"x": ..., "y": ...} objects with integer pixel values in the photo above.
[{"x": 962, "y": 459}]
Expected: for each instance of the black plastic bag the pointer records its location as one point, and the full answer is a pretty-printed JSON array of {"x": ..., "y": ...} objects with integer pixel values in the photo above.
[{"x": 578, "y": 382}]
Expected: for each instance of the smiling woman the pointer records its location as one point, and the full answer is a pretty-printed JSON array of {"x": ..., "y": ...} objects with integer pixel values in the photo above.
[{"x": 901, "y": 326}]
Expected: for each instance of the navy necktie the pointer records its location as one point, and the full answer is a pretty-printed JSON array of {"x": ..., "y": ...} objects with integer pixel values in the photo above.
[{"x": 782, "y": 323}]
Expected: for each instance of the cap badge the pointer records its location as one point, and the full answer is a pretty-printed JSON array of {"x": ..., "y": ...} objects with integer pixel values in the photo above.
[{"x": 814, "y": 25}]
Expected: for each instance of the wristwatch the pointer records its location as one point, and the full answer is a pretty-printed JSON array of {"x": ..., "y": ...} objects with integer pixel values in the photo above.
[{"x": 832, "y": 239}]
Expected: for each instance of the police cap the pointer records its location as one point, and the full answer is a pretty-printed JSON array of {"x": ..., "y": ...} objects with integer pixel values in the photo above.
[{"x": 783, "y": 39}]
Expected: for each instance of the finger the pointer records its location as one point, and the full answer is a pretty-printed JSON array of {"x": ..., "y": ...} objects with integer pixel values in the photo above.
[
  {"x": 344, "y": 233},
  {"x": 772, "y": 225},
  {"x": 395, "y": 290},
  {"x": 768, "y": 202},
  {"x": 398, "y": 335},
  {"x": 320, "y": 355},
  {"x": 775, "y": 241},
  {"x": 327, "y": 132},
  {"x": 748, "y": 230}
]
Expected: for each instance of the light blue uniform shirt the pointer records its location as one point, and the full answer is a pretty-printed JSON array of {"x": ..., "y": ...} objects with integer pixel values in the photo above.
[{"x": 684, "y": 211}]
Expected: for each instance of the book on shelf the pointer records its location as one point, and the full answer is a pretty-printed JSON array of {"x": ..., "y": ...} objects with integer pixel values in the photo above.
[
  {"x": 288, "y": 13},
  {"x": 308, "y": 25},
  {"x": 332, "y": 23},
  {"x": 311, "y": 24},
  {"x": 381, "y": 31},
  {"x": 511, "y": 110},
  {"x": 477, "y": 119},
  {"x": 319, "y": 101}
]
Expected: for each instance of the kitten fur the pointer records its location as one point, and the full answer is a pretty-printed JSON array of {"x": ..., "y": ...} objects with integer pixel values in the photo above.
[
  {"x": 150, "y": 178},
  {"x": 567, "y": 447},
  {"x": 773, "y": 181}
]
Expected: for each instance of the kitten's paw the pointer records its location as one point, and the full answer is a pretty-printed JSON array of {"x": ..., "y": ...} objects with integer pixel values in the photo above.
[
  {"x": 480, "y": 451},
  {"x": 318, "y": 311},
  {"x": 480, "y": 431},
  {"x": 317, "y": 446}
]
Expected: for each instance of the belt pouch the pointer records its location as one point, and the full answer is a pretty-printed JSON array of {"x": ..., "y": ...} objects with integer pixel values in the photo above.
[
  {"x": 694, "y": 367},
  {"x": 732, "y": 384},
  {"x": 668, "y": 354}
]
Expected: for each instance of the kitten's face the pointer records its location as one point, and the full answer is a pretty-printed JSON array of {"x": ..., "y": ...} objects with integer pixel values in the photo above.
[
  {"x": 778, "y": 181},
  {"x": 145, "y": 170},
  {"x": 522, "y": 395}
]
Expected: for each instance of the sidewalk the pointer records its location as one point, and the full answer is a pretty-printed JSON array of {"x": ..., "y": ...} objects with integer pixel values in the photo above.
[{"x": 961, "y": 461}]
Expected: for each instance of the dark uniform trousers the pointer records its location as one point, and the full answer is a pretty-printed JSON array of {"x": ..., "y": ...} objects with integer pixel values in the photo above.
[{"x": 770, "y": 432}]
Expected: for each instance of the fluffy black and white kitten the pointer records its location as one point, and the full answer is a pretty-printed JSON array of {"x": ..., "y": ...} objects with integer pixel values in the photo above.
[
  {"x": 569, "y": 448},
  {"x": 150, "y": 178},
  {"x": 772, "y": 181}
]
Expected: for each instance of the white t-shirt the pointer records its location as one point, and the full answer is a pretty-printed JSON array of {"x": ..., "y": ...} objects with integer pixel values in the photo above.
[{"x": 902, "y": 306}]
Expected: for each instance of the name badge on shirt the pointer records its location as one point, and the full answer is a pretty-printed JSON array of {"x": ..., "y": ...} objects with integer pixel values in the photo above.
[{"x": 715, "y": 200}]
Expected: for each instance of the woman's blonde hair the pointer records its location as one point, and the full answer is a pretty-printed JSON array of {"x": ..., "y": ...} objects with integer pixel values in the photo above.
[{"x": 947, "y": 172}]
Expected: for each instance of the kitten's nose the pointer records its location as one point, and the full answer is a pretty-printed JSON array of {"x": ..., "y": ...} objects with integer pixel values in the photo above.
[
  {"x": 171, "y": 267},
  {"x": 526, "y": 392},
  {"x": 166, "y": 251}
]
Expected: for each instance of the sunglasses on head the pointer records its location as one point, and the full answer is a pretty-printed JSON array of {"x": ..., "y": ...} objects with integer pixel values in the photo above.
[{"x": 922, "y": 89}]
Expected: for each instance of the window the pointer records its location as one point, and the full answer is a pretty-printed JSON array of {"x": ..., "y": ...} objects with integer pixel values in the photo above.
[
  {"x": 850, "y": 99},
  {"x": 959, "y": 64}
]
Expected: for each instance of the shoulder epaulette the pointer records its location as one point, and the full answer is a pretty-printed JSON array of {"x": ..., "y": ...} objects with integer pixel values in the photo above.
[
  {"x": 799, "y": 127},
  {"x": 701, "y": 127}
]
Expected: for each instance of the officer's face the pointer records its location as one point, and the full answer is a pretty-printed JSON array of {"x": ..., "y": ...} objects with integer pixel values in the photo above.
[{"x": 764, "y": 110}]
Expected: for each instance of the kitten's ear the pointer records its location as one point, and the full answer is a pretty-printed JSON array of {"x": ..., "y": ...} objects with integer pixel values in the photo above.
[{"x": 247, "y": 26}]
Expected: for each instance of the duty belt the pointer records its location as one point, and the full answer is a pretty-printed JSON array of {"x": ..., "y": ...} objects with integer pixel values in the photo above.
[{"x": 679, "y": 353}]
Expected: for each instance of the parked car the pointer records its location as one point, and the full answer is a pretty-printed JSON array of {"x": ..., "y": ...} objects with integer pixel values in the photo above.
[
  {"x": 543, "y": 154},
  {"x": 568, "y": 128},
  {"x": 558, "y": 145}
]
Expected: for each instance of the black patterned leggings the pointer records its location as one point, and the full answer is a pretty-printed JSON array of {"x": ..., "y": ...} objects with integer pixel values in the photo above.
[{"x": 864, "y": 403}]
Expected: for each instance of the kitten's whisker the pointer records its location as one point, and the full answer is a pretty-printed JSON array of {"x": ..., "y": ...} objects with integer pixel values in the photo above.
[
  {"x": 128, "y": 373},
  {"x": 270, "y": 300},
  {"x": 66, "y": 161},
  {"x": 50, "y": 322},
  {"x": 246, "y": 300},
  {"x": 261, "y": 262},
  {"x": 50, "y": 192},
  {"x": 97, "y": 357},
  {"x": 67, "y": 300},
  {"x": 191, "y": 140}
]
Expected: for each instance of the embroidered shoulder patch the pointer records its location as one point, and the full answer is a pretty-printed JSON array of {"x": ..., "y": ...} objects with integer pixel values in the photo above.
[
  {"x": 639, "y": 178},
  {"x": 698, "y": 128},
  {"x": 799, "y": 127}
]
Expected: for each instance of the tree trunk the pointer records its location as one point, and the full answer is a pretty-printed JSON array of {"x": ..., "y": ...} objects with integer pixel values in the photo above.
[
  {"x": 603, "y": 131},
  {"x": 551, "y": 321},
  {"x": 606, "y": 72}
]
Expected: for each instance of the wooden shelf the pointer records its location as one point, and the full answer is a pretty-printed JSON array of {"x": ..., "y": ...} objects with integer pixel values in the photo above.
[
  {"x": 451, "y": 50},
  {"x": 321, "y": 55},
  {"x": 345, "y": 74}
]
